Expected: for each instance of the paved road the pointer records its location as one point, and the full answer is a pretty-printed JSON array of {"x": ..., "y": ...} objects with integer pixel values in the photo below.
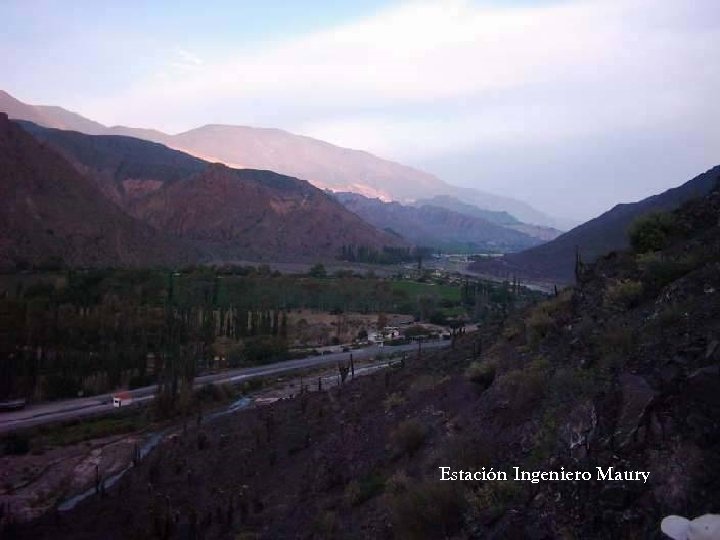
[{"x": 44, "y": 413}]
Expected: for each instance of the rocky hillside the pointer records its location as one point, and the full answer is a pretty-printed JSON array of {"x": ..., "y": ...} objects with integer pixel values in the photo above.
[
  {"x": 619, "y": 372},
  {"x": 436, "y": 226},
  {"x": 227, "y": 213},
  {"x": 555, "y": 260},
  {"x": 51, "y": 212},
  {"x": 324, "y": 165},
  {"x": 243, "y": 213}
]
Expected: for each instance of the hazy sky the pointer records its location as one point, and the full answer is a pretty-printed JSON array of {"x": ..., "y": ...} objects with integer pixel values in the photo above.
[{"x": 572, "y": 106}]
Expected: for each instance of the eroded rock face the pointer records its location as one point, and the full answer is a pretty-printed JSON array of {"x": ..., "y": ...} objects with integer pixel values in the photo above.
[
  {"x": 636, "y": 399},
  {"x": 579, "y": 431}
]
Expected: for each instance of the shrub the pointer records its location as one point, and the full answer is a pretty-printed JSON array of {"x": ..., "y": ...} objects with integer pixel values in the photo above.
[
  {"x": 17, "y": 444},
  {"x": 469, "y": 452},
  {"x": 624, "y": 294},
  {"x": 398, "y": 483},
  {"x": 660, "y": 271},
  {"x": 493, "y": 498},
  {"x": 670, "y": 316},
  {"x": 318, "y": 271},
  {"x": 408, "y": 437},
  {"x": 538, "y": 325},
  {"x": 415, "y": 330},
  {"x": 481, "y": 373},
  {"x": 438, "y": 317},
  {"x": 525, "y": 386},
  {"x": 652, "y": 232},
  {"x": 214, "y": 393},
  {"x": 326, "y": 524},
  {"x": 617, "y": 339},
  {"x": 511, "y": 331},
  {"x": 359, "y": 491},
  {"x": 541, "y": 320},
  {"x": 428, "y": 510},
  {"x": 393, "y": 400},
  {"x": 264, "y": 349}
]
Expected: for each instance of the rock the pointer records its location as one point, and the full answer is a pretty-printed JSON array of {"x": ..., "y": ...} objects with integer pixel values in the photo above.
[
  {"x": 704, "y": 385},
  {"x": 579, "y": 431},
  {"x": 636, "y": 398},
  {"x": 614, "y": 497},
  {"x": 670, "y": 374},
  {"x": 711, "y": 348}
]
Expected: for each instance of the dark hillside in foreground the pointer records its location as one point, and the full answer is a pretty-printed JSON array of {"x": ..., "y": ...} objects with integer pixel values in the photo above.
[
  {"x": 619, "y": 372},
  {"x": 555, "y": 260}
]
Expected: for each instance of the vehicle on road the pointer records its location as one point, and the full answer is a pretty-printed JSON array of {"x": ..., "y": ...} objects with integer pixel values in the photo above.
[
  {"x": 122, "y": 399},
  {"x": 13, "y": 405}
]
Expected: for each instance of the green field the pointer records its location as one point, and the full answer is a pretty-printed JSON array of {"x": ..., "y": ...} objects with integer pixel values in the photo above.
[{"x": 414, "y": 289}]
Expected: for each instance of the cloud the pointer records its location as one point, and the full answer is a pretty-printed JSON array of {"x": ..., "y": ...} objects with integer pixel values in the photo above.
[
  {"x": 185, "y": 59},
  {"x": 422, "y": 80}
]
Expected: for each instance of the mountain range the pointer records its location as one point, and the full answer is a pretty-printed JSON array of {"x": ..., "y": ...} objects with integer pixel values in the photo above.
[
  {"x": 501, "y": 218},
  {"x": 439, "y": 227},
  {"x": 49, "y": 211},
  {"x": 324, "y": 165},
  {"x": 555, "y": 260},
  {"x": 112, "y": 200}
]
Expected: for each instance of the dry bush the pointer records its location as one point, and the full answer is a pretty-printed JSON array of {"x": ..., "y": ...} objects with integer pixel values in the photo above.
[
  {"x": 470, "y": 453},
  {"x": 538, "y": 325},
  {"x": 326, "y": 525},
  {"x": 399, "y": 482},
  {"x": 359, "y": 491},
  {"x": 544, "y": 318},
  {"x": 429, "y": 509},
  {"x": 623, "y": 294},
  {"x": 481, "y": 373},
  {"x": 525, "y": 386},
  {"x": 393, "y": 400},
  {"x": 408, "y": 437},
  {"x": 616, "y": 339}
]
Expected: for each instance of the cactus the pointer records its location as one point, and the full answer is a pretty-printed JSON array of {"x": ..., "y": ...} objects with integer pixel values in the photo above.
[
  {"x": 578, "y": 265},
  {"x": 343, "y": 369}
]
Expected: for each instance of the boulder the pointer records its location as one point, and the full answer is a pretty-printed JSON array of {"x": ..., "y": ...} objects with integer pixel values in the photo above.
[{"x": 636, "y": 399}]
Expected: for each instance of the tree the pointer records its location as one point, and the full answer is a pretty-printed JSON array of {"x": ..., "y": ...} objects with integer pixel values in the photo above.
[
  {"x": 318, "y": 271},
  {"x": 652, "y": 232}
]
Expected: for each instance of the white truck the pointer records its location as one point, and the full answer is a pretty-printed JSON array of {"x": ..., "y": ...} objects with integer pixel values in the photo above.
[{"x": 122, "y": 399}]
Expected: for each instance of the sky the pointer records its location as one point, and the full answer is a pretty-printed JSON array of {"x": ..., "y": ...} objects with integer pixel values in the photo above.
[{"x": 572, "y": 106}]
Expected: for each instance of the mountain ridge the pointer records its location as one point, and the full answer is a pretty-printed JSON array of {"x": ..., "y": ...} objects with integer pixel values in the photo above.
[
  {"x": 325, "y": 165},
  {"x": 52, "y": 212},
  {"x": 555, "y": 260},
  {"x": 228, "y": 214},
  {"x": 435, "y": 226}
]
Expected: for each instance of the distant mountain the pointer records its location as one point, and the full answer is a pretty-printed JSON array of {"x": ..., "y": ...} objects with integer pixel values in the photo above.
[
  {"x": 499, "y": 218},
  {"x": 324, "y": 165},
  {"x": 228, "y": 214},
  {"x": 555, "y": 260},
  {"x": 435, "y": 226},
  {"x": 456, "y": 205},
  {"x": 48, "y": 210}
]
